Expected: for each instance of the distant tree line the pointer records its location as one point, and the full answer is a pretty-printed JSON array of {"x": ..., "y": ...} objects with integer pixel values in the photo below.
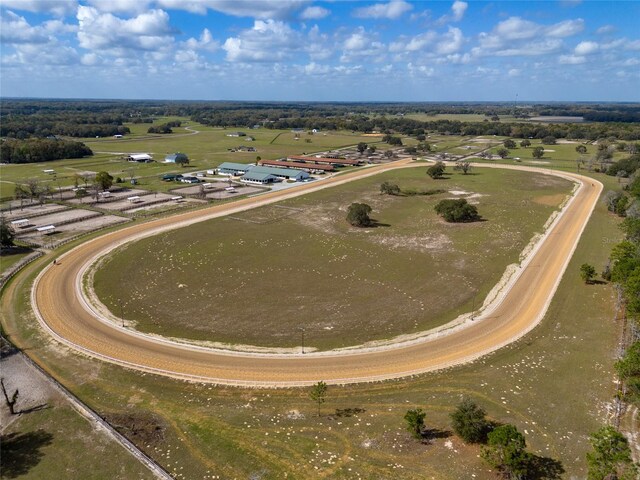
[
  {"x": 40, "y": 150},
  {"x": 165, "y": 127},
  {"x": 40, "y": 118}
]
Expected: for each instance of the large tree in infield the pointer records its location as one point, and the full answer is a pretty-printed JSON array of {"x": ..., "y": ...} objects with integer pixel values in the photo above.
[
  {"x": 358, "y": 215},
  {"x": 506, "y": 452},
  {"x": 436, "y": 171},
  {"x": 469, "y": 423}
]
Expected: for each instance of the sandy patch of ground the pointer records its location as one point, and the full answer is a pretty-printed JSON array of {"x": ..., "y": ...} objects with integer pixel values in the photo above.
[
  {"x": 35, "y": 392},
  {"x": 538, "y": 162},
  {"x": 551, "y": 200},
  {"x": 548, "y": 150}
]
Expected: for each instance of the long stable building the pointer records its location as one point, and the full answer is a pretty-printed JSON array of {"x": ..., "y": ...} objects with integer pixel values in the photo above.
[
  {"x": 341, "y": 162},
  {"x": 309, "y": 167}
]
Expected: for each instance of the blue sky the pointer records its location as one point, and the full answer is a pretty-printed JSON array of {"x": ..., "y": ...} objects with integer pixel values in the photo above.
[{"x": 566, "y": 50}]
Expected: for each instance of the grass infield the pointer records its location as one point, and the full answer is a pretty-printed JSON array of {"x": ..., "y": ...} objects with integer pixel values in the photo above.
[{"x": 257, "y": 277}]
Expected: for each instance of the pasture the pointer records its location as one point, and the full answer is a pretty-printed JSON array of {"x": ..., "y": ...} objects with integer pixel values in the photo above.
[
  {"x": 258, "y": 277},
  {"x": 206, "y": 147}
]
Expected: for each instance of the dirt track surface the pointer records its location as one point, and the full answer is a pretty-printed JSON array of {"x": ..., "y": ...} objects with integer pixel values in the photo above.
[{"x": 62, "y": 311}]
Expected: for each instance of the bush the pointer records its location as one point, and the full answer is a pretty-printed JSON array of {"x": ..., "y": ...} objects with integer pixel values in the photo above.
[
  {"x": 457, "y": 211},
  {"x": 436, "y": 171},
  {"x": 469, "y": 422}
]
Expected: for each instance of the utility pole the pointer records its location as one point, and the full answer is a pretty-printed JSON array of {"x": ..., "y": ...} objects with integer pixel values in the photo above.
[
  {"x": 121, "y": 312},
  {"x": 302, "y": 333}
]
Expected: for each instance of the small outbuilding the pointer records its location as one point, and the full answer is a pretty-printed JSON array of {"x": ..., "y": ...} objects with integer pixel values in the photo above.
[{"x": 140, "y": 158}]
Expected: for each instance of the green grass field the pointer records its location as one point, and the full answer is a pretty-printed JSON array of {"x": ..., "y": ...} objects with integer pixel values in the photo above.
[
  {"x": 256, "y": 277},
  {"x": 206, "y": 149},
  {"x": 555, "y": 385},
  {"x": 11, "y": 257}
]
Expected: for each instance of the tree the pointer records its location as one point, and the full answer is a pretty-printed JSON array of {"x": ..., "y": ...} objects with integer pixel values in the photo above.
[
  {"x": 358, "y": 215},
  {"x": 6, "y": 234},
  {"x": 436, "y": 171},
  {"x": 371, "y": 150},
  {"x": 581, "y": 149},
  {"x": 525, "y": 143},
  {"x": 457, "y": 211},
  {"x": 509, "y": 143},
  {"x": 549, "y": 140},
  {"x": 104, "y": 180},
  {"x": 469, "y": 423},
  {"x": 182, "y": 160},
  {"x": 415, "y": 421},
  {"x": 388, "y": 153},
  {"x": 538, "y": 152},
  {"x": 11, "y": 402},
  {"x": 389, "y": 188},
  {"x": 503, "y": 152},
  {"x": 506, "y": 451},
  {"x": 587, "y": 272},
  {"x": 462, "y": 166},
  {"x": 318, "y": 394},
  {"x": 361, "y": 147},
  {"x": 611, "y": 456}
]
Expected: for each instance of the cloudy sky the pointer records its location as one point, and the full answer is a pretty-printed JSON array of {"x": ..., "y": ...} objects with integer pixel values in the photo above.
[{"x": 321, "y": 50}]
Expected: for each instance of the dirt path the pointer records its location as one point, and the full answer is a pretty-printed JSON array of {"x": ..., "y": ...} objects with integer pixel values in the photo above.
[{"x": 62, "y": 312}]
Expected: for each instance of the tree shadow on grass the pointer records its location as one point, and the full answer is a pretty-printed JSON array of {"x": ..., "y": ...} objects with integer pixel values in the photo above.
[
  {"x": 349, "y": 412},
  {"x": 544, "y": 468},
  {"x": 431, "y": 434},
  {"x": 23, "y": 451},
  {"x": 375, "y": 224}
]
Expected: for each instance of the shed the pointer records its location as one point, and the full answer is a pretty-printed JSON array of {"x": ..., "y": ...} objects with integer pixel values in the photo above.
[
  {"x": 140, "y": 158},
  {"x": 46, "y": 229},
  {"x": 20, "y": 223}
]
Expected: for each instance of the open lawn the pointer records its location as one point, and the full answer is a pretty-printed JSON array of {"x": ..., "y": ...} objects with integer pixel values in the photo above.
[
  {"x": 257, "y": 277},
  {"x": 9, "y": 257},
  {"x": 555, "y": 385}
]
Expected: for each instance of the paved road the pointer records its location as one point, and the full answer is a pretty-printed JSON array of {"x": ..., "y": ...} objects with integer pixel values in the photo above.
[{"x": 62, "y": 311}]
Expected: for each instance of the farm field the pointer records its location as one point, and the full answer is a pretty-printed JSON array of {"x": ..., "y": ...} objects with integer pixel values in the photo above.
[
  {"x": 256, "y": 278},
  {"x": 554, "y": 385}
]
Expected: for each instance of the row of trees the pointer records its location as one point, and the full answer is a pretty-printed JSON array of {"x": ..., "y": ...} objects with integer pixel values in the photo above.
[
  {"x": 165, "y": 127},
  {"x": 40, "y": 150}
]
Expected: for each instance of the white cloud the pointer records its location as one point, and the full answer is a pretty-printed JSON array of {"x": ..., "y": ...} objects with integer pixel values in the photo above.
[
  {"x": 315, "y": 69},
  {"x": 15, "y": 29},
  {"x": 264, "y": 9},
  {"x": 605, "y": 30},
  {"x": 147, "y": 31},
  {"x": 514, "y": 72},
  {"x": 458, "y": 10},
  {"x": 267, "y": 41},
  {"x": 515, "y": 28},
  {"x": 567, "y": 28},
  {"x": 120, "y": 6},
  {"x": 314, "y": 13},
  {"x": 205, "y": 42},
  {"x": 586, "y": 48},
  {"x": 451, "y": 42},
  {"x": 392, "y": 10},
  {"x": 571, "y": 59},
  {"x": 361, "y": 44},
  {"x": 56, "y": 7},
  {"x": 420, "y": 70},
  {"x": 534, "y": 48}
]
